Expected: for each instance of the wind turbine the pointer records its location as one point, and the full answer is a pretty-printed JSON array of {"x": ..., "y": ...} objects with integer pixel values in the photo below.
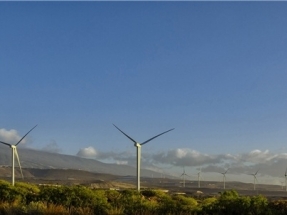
[
  {"x": 254, "y": 179},
  {"x": 14, "y": 152},
  {"x": 183, "y": 176},
  {"x": 285, "y": 179},
  {"x": 199, "y": 177},
  {"x": 139, "y": 145},
  {"x": 224, "y": 178},
  {"x": 282, "y": 184}
]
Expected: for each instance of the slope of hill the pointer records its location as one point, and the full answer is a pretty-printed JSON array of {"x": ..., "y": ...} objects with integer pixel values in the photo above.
[{"x": 45, "y": 160}]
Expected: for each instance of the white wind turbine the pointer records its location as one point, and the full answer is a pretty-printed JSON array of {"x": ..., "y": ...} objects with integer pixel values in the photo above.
[
  {"x": 282, "y": 184},
  {"x": 285, "y": 179},
  {"x": 199, "y": 177},
  {"x": 183, "y": 177},
  {"x": 14, "y": 152},
  {"x": 254, "y": 179},
  {"x": 139, "y": 145},
  {"x": 224, "y": 178}
]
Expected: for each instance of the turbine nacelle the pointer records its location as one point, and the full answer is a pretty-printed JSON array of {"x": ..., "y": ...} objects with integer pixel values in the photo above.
[
  {"x": 223, "y": 173},
  {"x": 138, "y": 145}
]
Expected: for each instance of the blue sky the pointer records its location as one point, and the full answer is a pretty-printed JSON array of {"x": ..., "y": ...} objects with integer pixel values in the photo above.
[{"x": 214, "y": 71}]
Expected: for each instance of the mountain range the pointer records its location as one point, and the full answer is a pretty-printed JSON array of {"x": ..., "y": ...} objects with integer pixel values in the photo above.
[{"x": 31, "y": 158}]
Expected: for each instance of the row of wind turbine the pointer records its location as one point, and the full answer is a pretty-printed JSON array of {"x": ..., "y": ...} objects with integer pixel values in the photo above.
[
  {"x": 199, "y": 177},
  {"x": 224, "y": 178},
  {"x": 254, "y": 178}
]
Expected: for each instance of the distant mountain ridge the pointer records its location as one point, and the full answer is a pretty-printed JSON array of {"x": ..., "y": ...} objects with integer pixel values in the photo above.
[{"x": 31, "y": 158}]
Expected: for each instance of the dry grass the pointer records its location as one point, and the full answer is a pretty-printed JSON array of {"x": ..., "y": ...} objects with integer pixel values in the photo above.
[{"x": 113, "y": 184}]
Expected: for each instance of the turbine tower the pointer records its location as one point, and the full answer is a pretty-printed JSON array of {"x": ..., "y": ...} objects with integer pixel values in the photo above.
[
  {"x": 224, "y": 178},
  {"x": 183, "y": 177},
  {"x": 254, "y": 179},
  {"x": 138, "y": 146},
  {"x": 14, "y": 152}
]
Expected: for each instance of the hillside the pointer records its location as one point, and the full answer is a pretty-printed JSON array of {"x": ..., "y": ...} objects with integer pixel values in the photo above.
[{"x": 45, "y": 160}]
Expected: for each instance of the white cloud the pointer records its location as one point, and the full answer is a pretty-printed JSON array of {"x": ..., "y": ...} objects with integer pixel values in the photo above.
[
  {"x": 180, "y": 153},
  {"x": 186, "y": 157},
  {"x": 88, "y": 152},
  {"x": 10, "y": 136},
  {"x": 123, "y": 158},
  {"x": 258, "y": 156},
  {"x": 268, "y": 163}
]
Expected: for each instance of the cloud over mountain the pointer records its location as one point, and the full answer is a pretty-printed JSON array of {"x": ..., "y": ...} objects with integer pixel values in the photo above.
[
  {"x": 186, "y": 157},
  {"x": 10, "y": 136},
  {"x": 52, "y": 147},
  {"x": 88, "y": 152},
  {"x": 245, "y": 163}
]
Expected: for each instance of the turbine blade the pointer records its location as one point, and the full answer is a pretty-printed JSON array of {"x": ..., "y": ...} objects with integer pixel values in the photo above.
[
  {"x": 126, "y": 134},
  {"x": 226, "y": 170},
  {"x": 156, "y": 136},
  {"x": 256, "y": 172},
  {"x": 183, "y": 172},
  {"x": 286, "y": 172},
  {"x": 19, "y": 162},
  {"x": 7, "y": 144},
  {"x": 25, "y": 135}
]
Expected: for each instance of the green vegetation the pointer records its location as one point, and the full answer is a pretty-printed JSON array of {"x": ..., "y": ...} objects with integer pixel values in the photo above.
[{"x": 76, "y": 200}]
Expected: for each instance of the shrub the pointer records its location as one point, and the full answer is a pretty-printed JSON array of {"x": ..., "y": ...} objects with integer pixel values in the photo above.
[
  {"x": 54, "y": 195},
  {"x": 229, "y": 202},
  {"x": 259, "y": 205},
  {"x": 149, "y": 193},
  {"x": 278, "y": 207},
  {"x": 208, "y": 205},
  {"x": 27, "y": 192},
  {"x": 36, "y": 208},
  {"x": 100, "y": 202},
  {"x": 8, "y": 193},
  {"x": 131, "y": 201},
  {"x": 166, "y": 204},
  {"x": 185, "y": 204}
]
